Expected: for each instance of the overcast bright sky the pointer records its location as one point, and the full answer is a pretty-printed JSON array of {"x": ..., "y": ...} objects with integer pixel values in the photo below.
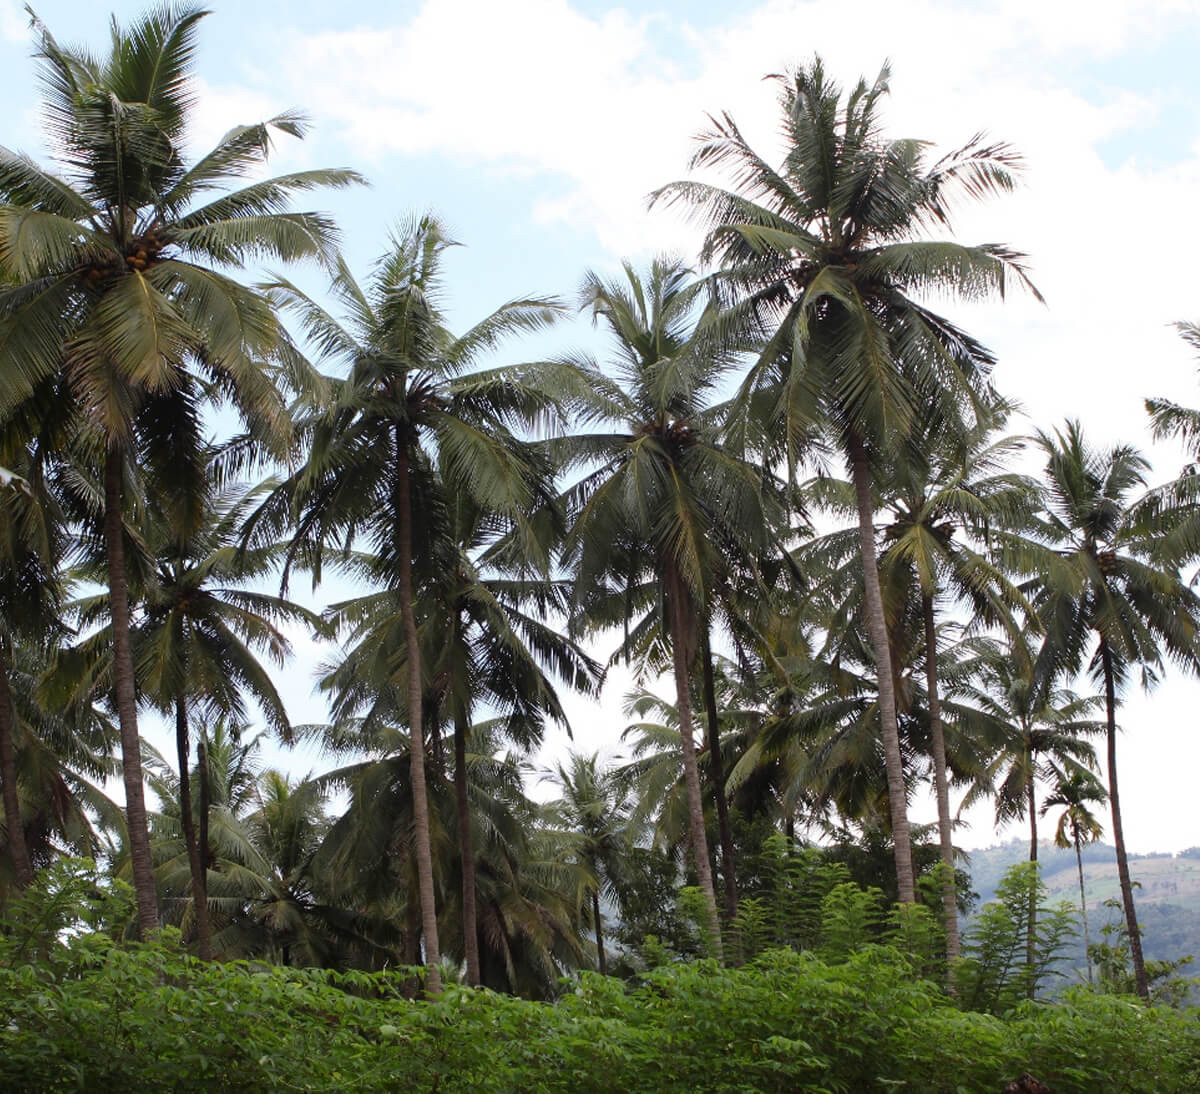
[{"x": 536, "y": 128}]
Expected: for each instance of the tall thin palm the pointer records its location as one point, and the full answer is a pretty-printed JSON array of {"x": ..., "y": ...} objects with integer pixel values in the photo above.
[
  {"x": 63, "y": 754},
  {"x": 201, "y": 631},
  {"x": 661, "y": 499},
  {"x": 943, "y": 507},
  {"x": 486, "y": 648},
  {"x": 594, "y": 807},
  {"x": 1077, "y": 825},
  {"x": 1111, "y": 597},
  {"x": 819, "y": 263},
  {"x": 31, "y": 548},
  {"x": 115, "y": 301},
  {"x": 410, "y": 426},
  {"x": 1035, "y": 731},
  {"x": 490, "y": 654}
]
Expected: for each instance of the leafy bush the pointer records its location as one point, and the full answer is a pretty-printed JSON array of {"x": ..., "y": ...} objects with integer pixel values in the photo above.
[
  {"x": 151, "y": 1018},
  {"x": 1002, "y": 964},
  {"x": 80, "y": 1010}
]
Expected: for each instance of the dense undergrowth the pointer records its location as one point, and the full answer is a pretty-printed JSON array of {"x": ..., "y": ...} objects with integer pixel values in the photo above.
[
  {"x": 152, "y": 1019},
  {"x": 82, "y": 1011}
]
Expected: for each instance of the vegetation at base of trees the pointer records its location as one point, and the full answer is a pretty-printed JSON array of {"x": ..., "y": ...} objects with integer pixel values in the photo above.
[
  {"x": 84, "y": 1011},
  {"x": 496, "y": 516}
]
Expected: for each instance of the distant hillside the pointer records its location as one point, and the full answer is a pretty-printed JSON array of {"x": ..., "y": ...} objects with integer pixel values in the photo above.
[{"x": 1168, "y": 901}]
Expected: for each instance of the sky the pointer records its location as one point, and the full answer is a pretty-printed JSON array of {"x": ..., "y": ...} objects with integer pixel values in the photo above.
[{"x": 536, "y": 129}]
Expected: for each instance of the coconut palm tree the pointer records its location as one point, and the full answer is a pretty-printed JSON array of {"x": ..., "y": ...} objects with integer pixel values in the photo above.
[
  {"x": 527, "y": 887},
  {"x": 410, "y": 426},
  {"x": 1110, "y": 597},
  {"x": 63, "y": 753},
  {"x": 31, "y": 547},
  {"x": 115, "y": 298},
  {"x": 594, "y": 807},
  {"x": 1035, "y": 732},
  {"x": 202, "y": 627},
  {"x": 490, "y": 652},
  {"x": 964, "y": 486},
  {"x": 259, "y": 831},
  {"x": 485, "y": 647},
  {"x": 938, "y": 507},
  {"x": 820, "y": 261},
  {"x": 661, "y": 502},
  {"x": 1170, "y": 419},
  {"x": 1077, "y": 825}
]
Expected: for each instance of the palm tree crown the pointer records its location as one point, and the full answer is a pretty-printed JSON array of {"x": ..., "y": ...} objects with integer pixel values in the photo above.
[
  {"x": 819, "y": 266},
  {"x": 409, "y": 426},
  {"x": 663, "y": 510},
  {"x": 115, "y": 304}
]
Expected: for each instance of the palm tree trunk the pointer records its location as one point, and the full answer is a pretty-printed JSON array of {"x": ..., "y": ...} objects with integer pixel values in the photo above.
[
  {"x": 126, "y": 697},
  {"x": 941, "y": 782},
  {"x": 717, "y": 763},
  {"x": 412, "y": 937},
  {"x": 1031, "y": 936},
  {"x": 205, "y": 803},
  {"x": 423, "y": 852},
  {"x": 466, "y": 852},
  {"x": 1087, "y": 937},
  {"x": 601, "y": 963},
  {"x": 682, "y": 646},
  {"x": 1131, "y": 923},
  {"x": 17, "y": 847},
  {"x": 877, "y": 625},
  {"x": 195, "y": 863}
]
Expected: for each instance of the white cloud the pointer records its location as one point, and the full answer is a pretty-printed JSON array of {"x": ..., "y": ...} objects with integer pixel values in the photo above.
[
  {"x": 14, "y": 23},
  {"x": 220, "y": 108},
  {"x": 598, "y": 113}
]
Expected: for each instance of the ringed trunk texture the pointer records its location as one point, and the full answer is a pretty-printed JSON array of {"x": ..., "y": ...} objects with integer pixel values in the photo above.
[
  {"x": 412, "y": 943},
  {"x": 126, "y": 697},
  {"x": 1114, "y": 798},
  {"x": 601, "y": 963},
  {"x": 205, "y": 800},
  {"x": 877, "y": 625},
  {"x": 682, "y": 646},
  {"x": 17, "y": 847},
  {"x": 1031, "y": 938},
  {"x": 195, "y": 863},
  {"x": 941, "y": 782},
  {"x": 466, "y": 852},
  {"x": 728, "y": 862},
  {"x": 423, "y": 852}
]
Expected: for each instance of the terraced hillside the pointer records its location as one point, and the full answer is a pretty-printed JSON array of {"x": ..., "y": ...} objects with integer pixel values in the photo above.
[{"x": 1168, "y": 899}]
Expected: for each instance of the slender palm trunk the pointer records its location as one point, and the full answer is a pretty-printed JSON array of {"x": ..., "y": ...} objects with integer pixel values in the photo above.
[
  {"x": 423, "y": 852},
  {"x": 412, "y": 937},
  {"x": 1131, "y": 923},
  {"x": 17, "y": 847},
  {"x": 205, "y": 805},
  {"x": 1087, "y": 937},
  {"x": 1031, "y": 935},
  {"x": 941, "y": 782},
  {"x": 877, "y": 625},
  {"x": 717, "y": 763},
  {"x": 195, "y": 863},
  {"x": 601, "y": 963},
  {"x": 126, "y": 697},
  {"x": 682, "y": 645},
  {"x": 466, "y": 851}
]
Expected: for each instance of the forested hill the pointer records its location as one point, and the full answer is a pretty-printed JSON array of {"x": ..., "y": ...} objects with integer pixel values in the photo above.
[{"x": 1168, "y": 900}]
